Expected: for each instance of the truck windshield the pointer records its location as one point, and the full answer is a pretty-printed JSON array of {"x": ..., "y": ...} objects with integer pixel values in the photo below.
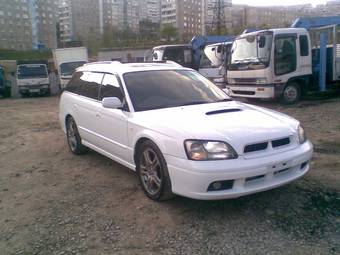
[
  {"x": 67, "y": 69},
  {"x": 32, "y": 71},
  {"x": 251, "y": 52}
]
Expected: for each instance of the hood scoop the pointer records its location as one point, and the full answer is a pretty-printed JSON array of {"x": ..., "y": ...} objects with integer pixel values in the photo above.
[{"x": 223, "y": 111}]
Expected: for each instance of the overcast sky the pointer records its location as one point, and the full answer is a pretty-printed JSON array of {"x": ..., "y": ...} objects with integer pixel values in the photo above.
[{"x": 278, "y": 2}]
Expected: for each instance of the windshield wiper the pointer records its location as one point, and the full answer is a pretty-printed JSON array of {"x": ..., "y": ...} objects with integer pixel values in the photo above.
[
  {"x": 194, "y": 102},
  {"x": 224, "y": 100}
]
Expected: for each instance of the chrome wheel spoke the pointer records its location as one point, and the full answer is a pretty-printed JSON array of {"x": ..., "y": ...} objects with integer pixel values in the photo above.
[{"x": 150, "y": 168}]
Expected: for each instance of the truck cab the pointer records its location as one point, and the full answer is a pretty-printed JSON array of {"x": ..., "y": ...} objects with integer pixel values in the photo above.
[
  {"x": 211, "y": 64},
  {"x": 32, "y": 78},
  {"x": 273, "y": 63},
  {"x": 179, "y": 53}
]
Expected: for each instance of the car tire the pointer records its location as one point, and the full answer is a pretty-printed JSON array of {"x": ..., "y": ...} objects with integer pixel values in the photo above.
[
  {"x": 291, "y": 93},
  {"x": 153, "y": 173},
  {"x": 73, "y": 137}
]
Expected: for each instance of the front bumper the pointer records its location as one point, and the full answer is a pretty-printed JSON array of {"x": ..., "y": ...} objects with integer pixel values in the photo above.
[
  {"x": 38, "y": 88},
  {"x": 252, "y": 91},
  {"x": 192, "y": 179}
]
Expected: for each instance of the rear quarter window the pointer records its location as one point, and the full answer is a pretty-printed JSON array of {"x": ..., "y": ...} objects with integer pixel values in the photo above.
[{"x": 85, "y": 84}]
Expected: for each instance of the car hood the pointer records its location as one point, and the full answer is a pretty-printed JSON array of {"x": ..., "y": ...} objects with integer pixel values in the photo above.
[{"x": 234, "y": 122}]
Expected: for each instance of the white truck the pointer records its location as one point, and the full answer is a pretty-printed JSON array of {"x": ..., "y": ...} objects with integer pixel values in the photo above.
[
  {"x": 66, "y": 60},
  {"x": 32, "y": 78},
  {"x": 284, "y": 63}
]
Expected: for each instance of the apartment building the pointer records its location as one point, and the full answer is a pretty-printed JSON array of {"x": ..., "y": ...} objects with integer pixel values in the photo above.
[
  {"x": 185, "y": 15},
  {"x": 28, "y": 24},
  {"x": 79, "y": 21},
  {"x": 331, "y": 8},
  {"x": 267, "y": 17}
]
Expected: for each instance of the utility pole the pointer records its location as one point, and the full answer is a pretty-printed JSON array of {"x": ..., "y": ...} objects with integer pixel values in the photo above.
[{"x": 218, "y": 22}]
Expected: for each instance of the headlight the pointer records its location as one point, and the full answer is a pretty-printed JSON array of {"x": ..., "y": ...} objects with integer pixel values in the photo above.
[
  {"x": 261, "y": 81},
  {"x": 231, "y": 81},
  {"x": 302, "y": 135},
  {"x": 219, "y": 80},
  {"x": 208, "y": 150}
]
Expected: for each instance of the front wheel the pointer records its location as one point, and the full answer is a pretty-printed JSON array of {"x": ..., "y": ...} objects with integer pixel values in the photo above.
[
  {"x": 291, "y": 93},
  {"x": 73, "y": 137},
  {"x": 153, "y": 173}
]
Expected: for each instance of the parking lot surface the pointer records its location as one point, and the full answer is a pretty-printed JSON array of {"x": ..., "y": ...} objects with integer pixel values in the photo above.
[{"x": 53, "y": 202}]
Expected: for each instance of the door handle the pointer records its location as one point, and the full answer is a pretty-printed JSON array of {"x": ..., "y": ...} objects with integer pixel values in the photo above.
[{"x": 98, "y": 115}]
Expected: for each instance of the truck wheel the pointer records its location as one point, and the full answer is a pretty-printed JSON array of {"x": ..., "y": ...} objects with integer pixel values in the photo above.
[
  {"x": 73, "y": 137},
  {"x": 48, "y": 93},
  {"x": 153, "y": 172},
  {"x": 291, "y": 93}
]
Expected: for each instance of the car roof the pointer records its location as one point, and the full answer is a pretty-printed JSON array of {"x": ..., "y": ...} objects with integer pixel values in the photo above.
[{"x": 121, "y": 68}]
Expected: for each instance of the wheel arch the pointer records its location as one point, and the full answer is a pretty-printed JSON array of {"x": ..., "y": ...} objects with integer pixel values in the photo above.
[
  {"x": 146, "y": 136},
  {"x": 302, "y": 81}
]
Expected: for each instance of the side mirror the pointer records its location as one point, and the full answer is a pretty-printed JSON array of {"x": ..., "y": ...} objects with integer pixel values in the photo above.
[{"x": 111, "y": 102}]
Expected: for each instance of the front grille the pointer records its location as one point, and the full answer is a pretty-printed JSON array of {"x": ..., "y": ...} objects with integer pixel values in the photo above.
[
  {"x": 280, "y": 142},
  {"x": 245, "y": 80},
  {"x": 240, "y": 92},
  {"x": 255, "y": 147}
]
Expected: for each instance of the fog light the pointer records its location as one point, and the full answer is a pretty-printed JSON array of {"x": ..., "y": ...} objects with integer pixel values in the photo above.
[
  {"x": 217, "y": 185},
  {"x": 221, "y": 185}
]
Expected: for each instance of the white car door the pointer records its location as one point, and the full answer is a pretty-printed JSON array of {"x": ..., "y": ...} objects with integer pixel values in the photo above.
[{"x": 113, "y": 122}]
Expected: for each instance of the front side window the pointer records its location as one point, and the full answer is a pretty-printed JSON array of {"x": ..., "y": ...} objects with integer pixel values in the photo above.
[
  {"x": 170, "y": 88},
  {"x": 304, "y": 47},
  {"x": 285, "y": 54},
  {"x": 110, "y": 87}
]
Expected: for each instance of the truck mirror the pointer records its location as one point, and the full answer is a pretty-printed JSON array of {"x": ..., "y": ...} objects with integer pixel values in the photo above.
[
  {"x": 219, "y": 49},
  {"x": 155, "y": 56}
]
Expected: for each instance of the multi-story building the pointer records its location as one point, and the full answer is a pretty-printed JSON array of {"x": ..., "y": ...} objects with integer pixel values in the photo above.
[
  {"x": 217, "y": 16},
  {"x": 79, "y": 20},
  {"x": 28, "y": 24},
  {"x": 185, "y": 15},
  {"x": 331, "y": 8},
  {"x": 244, "y": 16}
]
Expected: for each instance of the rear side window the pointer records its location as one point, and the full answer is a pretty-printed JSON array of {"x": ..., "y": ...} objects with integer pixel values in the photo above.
[
  {"x": 85, "y": 84},
  {"x": 110, "y": 87},
  {"x": 304, "y": 48}
]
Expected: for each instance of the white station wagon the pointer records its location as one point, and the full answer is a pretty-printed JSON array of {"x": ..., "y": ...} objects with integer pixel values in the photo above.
[{"x": 179, "y": 132}]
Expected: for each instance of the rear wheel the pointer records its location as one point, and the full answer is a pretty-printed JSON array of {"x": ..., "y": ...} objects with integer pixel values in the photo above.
[
  {"x": 291, "y": 93},
  {"x": 73, "y": 137},
  {"x": 153, "y": 173}
]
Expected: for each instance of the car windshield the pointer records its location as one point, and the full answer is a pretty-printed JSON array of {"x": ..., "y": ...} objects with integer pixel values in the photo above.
[
  {"x": 32, "y": 71},
  {"x": 251, "y": 52},
  {"x": 68, "y": 69},
  {"x": 170, "y": 88}
]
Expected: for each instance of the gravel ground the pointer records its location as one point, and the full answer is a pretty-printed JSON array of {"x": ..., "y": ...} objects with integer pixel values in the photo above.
[{"x": 53, "y": 202}]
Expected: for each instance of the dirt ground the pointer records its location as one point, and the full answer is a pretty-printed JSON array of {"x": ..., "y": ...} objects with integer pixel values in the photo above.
[{"x": 53, "y": 202}]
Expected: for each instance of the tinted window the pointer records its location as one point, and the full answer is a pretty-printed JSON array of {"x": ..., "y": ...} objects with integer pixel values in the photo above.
[
  {"x": 285, "y": 55},
  {"x": 304, "y": 48},
  {"x": 161, "y": 89},
  {"x": 85, "y": 84},
  {"x": 110, "y": 87}
]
